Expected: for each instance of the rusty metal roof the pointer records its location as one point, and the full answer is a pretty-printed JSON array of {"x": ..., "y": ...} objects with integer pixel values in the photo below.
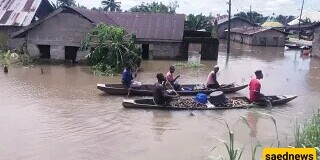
[
  {"x": 151, "y": 26},
  {"x": 252, "y": 30},
  {"x": 156, "y": 27},
  {"x": 18, "y": 12},
  {"x": 94, "y": 16}
]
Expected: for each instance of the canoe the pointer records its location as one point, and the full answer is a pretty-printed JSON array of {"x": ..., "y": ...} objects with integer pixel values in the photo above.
[
  {"x": 147, "y": 90},
  {"x": 148, "y": 103}
]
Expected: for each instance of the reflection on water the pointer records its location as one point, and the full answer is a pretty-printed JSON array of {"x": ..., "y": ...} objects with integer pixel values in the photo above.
[{"x": 61, "y": 115}]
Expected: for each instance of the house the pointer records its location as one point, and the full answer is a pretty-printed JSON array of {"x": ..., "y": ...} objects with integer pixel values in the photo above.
[
  {"x": 60, "y": 34},
  {"x": 258, "y": 36},
  {"x": 235, "y": 22},
  {"x": 15, "y": 14},
  {"x": 313, "y": 16},
  {"x": 316, "y": 43}
]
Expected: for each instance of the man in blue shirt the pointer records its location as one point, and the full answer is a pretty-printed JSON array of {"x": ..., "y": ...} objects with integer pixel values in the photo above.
[{"x": 127, "y": 76}]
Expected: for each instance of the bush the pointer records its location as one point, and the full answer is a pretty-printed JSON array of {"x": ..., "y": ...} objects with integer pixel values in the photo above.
[{"x": 114, "y": 48}]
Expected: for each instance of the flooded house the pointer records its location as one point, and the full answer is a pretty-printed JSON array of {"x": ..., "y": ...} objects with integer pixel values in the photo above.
[
  {"x": 60, "y": 34},
  {"x": 235, "y": 22},
  {"x": 316, "y": 42},
  {"x": 258, "y": 36},
  {"x": 16, "y": 14}
]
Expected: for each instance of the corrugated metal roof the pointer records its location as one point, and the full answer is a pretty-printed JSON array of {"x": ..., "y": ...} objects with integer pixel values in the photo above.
[
  {"x": 271, "y": 23},
  {"x": 18, "y": 12},
  {"x": 251, "y": 30},
  {"x": 95, "y": 16},
  {"x": 146, "y": 26},
  {"x": 314, "y": 16},
  {"x": 151, "y": 26}
]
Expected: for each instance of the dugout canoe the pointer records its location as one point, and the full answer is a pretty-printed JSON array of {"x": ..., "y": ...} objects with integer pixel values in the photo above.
[
  {"x": 147, "y": 90},
  {"x": 148, "y": 103}
]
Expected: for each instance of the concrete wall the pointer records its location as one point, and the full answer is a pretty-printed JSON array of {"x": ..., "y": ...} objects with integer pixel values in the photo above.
[
  {"x": 266, "y": 38},
  {"x": 269, "y": 38},
  {"x": 235, "y": 23},
  {"x": 316, "y": 43},
  {"x": 6, "y": 42},
  {"x": 64, "y": 29},
  {"x": 246, "y": 39},
  {"x": 164, "y": 50}
]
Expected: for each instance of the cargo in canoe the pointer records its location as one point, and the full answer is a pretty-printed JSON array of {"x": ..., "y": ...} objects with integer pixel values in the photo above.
[
  {"x": 147, "y": 90},
  {"x": 232, "y": 103}
]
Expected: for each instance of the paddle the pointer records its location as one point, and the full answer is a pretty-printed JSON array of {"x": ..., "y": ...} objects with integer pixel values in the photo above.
[{"x": 135, "y": 76}]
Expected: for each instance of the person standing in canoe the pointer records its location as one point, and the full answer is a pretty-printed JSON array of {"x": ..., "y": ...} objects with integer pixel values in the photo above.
[
  {"x": 160, "y": 94},
  {"x": 171, "y": 80},
  {"x": 255, "y": 87},
  {"x": 212, "y": 82},
  {"x": 127, "y": 76}
]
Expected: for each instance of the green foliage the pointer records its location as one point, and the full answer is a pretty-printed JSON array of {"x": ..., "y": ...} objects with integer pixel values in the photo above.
[
  {"x": 114, "y": 49},
  {"x": 156, "y": 7},
  {"x": 255, "y": 16},
  {"x": 308, "y": 134},
  {"x": 285, "y": 19},
  {"x": 70, "y": 3},
  {"x": 233, "y": 153},
  {"x": 198, "y": 22},
  {"x": 111, "y": 5},
  {"x": 10, "y": 58}
]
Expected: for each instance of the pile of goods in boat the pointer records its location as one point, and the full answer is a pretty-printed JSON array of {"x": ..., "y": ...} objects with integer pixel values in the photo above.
[
  {"x": 191, "y": 103},
  {"x": 233, "y": 102},
  {"x": 187, "y": 103}
]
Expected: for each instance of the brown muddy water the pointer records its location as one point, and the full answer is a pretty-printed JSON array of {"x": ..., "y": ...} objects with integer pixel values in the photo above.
[{"x": 61, "y": 114}]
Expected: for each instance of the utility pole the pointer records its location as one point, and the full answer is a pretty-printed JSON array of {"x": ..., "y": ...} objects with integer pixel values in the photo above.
[
  {"x": 300, "y": 19},
  {"x": 250, "y": 15},
  {"x": 229, "y": 19}
]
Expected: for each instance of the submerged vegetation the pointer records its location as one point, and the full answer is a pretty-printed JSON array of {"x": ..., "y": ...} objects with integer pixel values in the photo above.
[
  {"x": 306, "y": 135},
  {"x": 113, "y": 48},
  {"x": 189, "y": 65},
  {"x": 15, "y": 58}
]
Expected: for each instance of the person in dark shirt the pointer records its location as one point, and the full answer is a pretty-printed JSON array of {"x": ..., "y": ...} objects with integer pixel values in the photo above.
[
  {"x": 160, "y": 95},
  {"x": 127, "y": 76}
]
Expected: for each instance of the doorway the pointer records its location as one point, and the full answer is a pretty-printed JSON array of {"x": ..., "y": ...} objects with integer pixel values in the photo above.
[
  {"x": 145, "y": 51},
  {"x": 44, "y": 51},
  {"x": 71, "y": 53}
]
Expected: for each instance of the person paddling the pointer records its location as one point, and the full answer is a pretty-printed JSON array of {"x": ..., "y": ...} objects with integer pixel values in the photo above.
[
  {"x": 212, "y": 82},
  {"x": 255, "y": 87},
  {"x": 160, "y": 94},
  {"x": 172, "y": 80},
  {"x": 127, "y": 76}
]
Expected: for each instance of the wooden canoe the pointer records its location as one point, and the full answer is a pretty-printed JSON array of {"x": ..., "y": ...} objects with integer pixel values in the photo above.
[
  {"x": 147, "y": 90},
  {"x": 148, "y": 103}
]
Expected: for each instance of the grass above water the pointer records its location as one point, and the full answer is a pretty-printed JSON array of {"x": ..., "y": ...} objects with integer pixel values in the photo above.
[{"x": 306, "y": 135}]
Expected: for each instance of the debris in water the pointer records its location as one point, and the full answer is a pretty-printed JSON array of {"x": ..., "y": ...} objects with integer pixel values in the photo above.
[
  {"x": 5, "y": 69},
  {"x": 192, "y": 114},
  {"x": 42, "y": 71}
]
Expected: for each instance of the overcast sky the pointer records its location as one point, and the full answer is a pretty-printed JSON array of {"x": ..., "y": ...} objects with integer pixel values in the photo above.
[{"x": 267, "y": 7}]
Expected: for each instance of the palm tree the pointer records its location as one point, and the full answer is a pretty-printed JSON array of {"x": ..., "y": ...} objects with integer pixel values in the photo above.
[{"x": 111, "y": 5}]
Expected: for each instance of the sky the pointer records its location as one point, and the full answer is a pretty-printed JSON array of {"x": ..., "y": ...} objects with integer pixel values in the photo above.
[{"x": 266, "y": 7}]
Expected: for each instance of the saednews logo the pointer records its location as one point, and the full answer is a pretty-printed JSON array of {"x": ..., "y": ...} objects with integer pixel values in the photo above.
[{"x": 289, "y": 154}]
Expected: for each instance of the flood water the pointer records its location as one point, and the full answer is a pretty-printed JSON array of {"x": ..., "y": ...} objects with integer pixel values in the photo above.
[{"x": 61, "y": 115}]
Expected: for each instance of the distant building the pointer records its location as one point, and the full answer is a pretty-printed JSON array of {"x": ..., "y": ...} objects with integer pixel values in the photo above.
[
  {"x": 235, "y": 22},
  {"x": 316, "y": 43},
  {"x": 258, "y": 36},
  {"x": 15, "y": 14},
  {"x": 60, "y": 34},
  {"x": 313, "y": 16},
  {"x": 272, "y": 23}
]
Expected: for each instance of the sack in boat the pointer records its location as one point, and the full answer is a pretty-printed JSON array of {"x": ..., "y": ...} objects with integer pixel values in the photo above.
[
  {"x": 135, "y": 84},
  {"x": 199, "y": 87}
]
